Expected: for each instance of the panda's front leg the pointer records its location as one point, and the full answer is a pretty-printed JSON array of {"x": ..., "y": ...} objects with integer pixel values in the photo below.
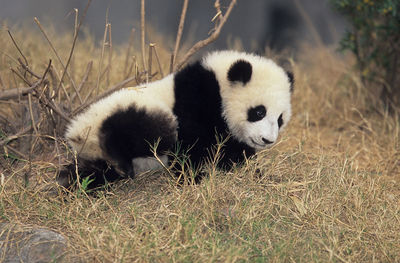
[{"x": 126, "y": 167}]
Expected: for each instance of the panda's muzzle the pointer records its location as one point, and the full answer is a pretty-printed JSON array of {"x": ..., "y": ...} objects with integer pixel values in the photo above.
[
  {"x": 266, "y": 141},
  {"x": 261, "y": 145}
]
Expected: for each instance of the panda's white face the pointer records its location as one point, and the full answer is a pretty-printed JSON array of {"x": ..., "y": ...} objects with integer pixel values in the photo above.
[
  {"x": 262, "y": 128},
  {"x": 255, "y": 96}
]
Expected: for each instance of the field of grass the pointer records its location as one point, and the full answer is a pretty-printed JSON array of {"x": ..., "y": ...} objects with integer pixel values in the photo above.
[{"x": 329, "y": 191}]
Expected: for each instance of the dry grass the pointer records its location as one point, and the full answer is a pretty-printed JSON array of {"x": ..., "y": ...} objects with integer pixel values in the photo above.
[{"x": 328, "y": 192}]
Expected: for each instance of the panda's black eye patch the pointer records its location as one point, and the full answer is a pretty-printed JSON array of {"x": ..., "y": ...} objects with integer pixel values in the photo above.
[
  {"x": 280, "y": 121},
  {"x": 257, "y": 113}
]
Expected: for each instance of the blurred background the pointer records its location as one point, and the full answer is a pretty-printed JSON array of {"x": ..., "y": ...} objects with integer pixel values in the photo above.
[{"x": 278, "y": 24}]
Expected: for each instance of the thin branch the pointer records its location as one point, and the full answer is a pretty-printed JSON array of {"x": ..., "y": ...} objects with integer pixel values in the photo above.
[
  {"x": 31, "y": 114},
  {"x": 26, "y": 68},
  {"x": 10, "y": 57},
  {"x": 16, "y": 84},
  {"x": 210, "y": 39},
  {"x": 76, "y": 22},
  {"x": 101, "y": 57},
  {"x": 15, "y": 44},
  {"x": 73, "y": 47},
  {"x": 54, "y": 50},
  {"x": 2, "y": 83},
  {"x": 21, "y": 77},
  {"x": 47, "y": 101},
  {"x": 55, "y": 108},
  {"x": 109, "y": 66},
  {"x": 180, "y": 30},
  {"x": 158, "y": 61},
  {"x": 150, "y": 59},
  {"x": 137, "y": 72},
  {"x": 24, "y": 157},
  {"x": 57, "y": 77},
  {"x": 89, "y": 94},
  {"x": 134, "y": 66},
  {"x": 171, "y": 64},
  {"x": 27, "y": 174},
  {"x": 45, "y": 72},
  {"x": 142, "y": 30},
  {"x": 16, "y": 92},
  {"x": 56, "y": 147},
  {"x": 15, "y": 136},
  {"x": 54, "y": 83},
  {"x": 128, "y": 52},
  {"x": 84, "y": 79}
]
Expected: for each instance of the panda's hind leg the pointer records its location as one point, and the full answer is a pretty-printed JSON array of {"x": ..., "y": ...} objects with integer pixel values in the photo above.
[
  {"x": 98, "y": 172},
  {"x": 127, "y": 137}
]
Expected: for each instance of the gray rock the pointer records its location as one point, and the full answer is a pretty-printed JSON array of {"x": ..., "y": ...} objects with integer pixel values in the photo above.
[{"x": 27, "y": 244}]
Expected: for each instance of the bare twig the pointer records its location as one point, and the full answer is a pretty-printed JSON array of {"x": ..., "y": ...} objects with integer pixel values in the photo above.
[
  {"x": 56, "y": 147},
  {"x": 180, "y": 30},
  {"x": 89, "y": 94},
  {"x": 137, "y": 72},
  {"x": 135, "y": 67},
  {"x": 15, "y": 44},
  {"x": 128, "y": 52},
  {"x": 109, "y": 66},
  {"x": 52, "y": 70},
  {"x": 16, "y": 84},
  {"x": 73, "y": 47},
  {"x": 2, "y": 83},
  {"x": 10, "y": 57},
  {"x": 142, "y": 30},
  {"x": 158, "y": 61},
  {"x": 150, "y": 59},
  {"x": 54, "y": 82},
  {"x": 55, "y": 52},
  {"x": 26, "y": 68},
  {"x": 17, "y": 152},
  {"x": 210, "y": 39},
  {"x": 48, "y": 40},
  {"x": 31, "y": 114},
  {"x": 101, "y": 57},
  {"x": 132, "y": 64},
  {"x": 21, "y": 77},
  {"x": 76, "y": 21},
  {"x": 46, "y": 101},
  {"x": 15, "y": 136},
  {"x": 84, "y": 79},
  {"x": 171, "y": 64},
  {"x": 14, "y": 93}
]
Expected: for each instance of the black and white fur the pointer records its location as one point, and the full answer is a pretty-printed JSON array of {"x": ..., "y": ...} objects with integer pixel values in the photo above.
[{"x": 240, "y": 95}]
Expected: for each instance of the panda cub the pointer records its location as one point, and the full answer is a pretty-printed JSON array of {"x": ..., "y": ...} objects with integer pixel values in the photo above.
[{"x": 239, "y": 96}]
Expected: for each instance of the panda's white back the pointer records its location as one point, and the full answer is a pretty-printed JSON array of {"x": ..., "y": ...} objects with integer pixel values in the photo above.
[{"x": 82, "y": 132}]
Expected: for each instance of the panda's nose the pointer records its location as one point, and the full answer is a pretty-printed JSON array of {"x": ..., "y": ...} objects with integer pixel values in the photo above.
[{"x": 266, "y": 141}]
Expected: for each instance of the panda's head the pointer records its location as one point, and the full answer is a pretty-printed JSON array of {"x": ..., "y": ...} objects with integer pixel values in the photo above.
[{"x": 255, "y": 95}]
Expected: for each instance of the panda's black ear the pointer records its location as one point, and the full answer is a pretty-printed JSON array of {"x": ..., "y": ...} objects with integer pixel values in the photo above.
[
  {"x": 291, "y": 79},
  {"x": 241, "y": 71}
]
